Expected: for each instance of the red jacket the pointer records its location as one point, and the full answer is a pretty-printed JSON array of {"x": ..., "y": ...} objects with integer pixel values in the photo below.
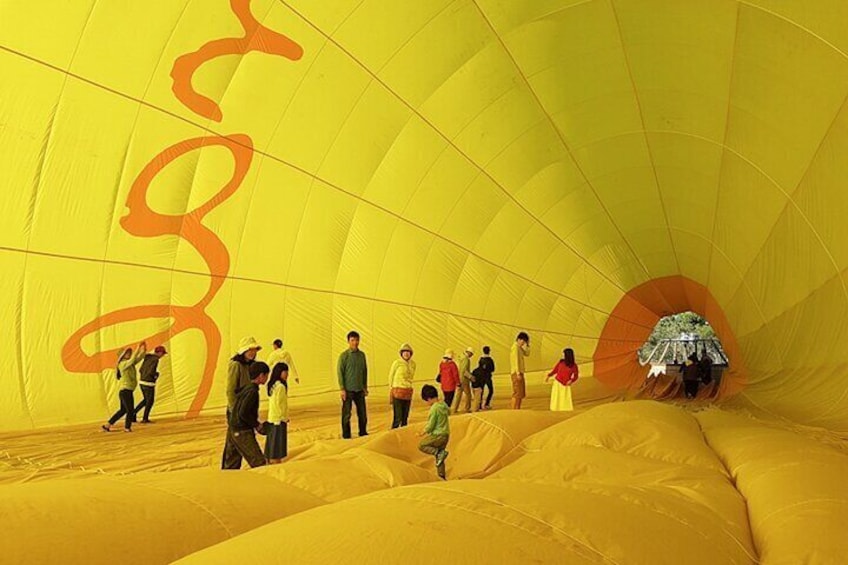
[
  {"x": 450, "y": 376},
  {"x": 565, "y": 375}
]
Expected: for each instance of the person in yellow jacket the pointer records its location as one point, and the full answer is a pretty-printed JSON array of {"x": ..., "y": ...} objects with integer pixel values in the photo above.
[
  {"x": 465, "y": 378},
  {"x": 401, "y": 376},
  {"x": 520, "y": 349},
  {"x": 276, "y": 441},
  {"x": 127, "y": 375}
]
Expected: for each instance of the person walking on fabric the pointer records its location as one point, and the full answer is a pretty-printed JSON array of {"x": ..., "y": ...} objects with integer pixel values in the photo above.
[
  {"x": 448, "y": 377},
  {"x": 705, "y": 368},
  {"x": 280, "y": 355},
  {"x": 691, "y": 376},
  {"x": 126, "y": 373},
  {"x": 243, "y": 423},
  {"x": 465, "y": 380},
  {"x": 520, "y": 349},
  {"x": 487, "y": 366},
  {"x": 353, "y": 385},
  {"x": 148, "y": 374},
  {"x": 238, "y": 372},
  {"x": 565, "y": 373},
  {"x": 401, "y": 376}
]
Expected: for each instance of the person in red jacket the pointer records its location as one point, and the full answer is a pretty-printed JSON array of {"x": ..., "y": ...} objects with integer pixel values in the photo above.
[
  {"x": 448, "y": 376},
  {"x": 565, "y": 373}
]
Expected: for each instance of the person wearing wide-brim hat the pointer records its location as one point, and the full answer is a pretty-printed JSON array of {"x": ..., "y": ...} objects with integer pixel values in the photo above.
[
  {"x": 238, "y": 377},
  {"x": 238, "y": 374},
  {"x": 448, "y": 376},
  {"x": 401, "y": 376}
]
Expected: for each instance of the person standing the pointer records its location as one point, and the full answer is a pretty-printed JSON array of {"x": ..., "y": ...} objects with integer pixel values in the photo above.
[
  {"x": 565, "y": 373},
  {"x": 465, "y": 380},
  {"x": 705, "y": 368},
  {"x": 487, "y": 366},
  {"x": 148, "y": 374},
  {"x": 280, "y": 355},
  {"x": 520, "y": 349},
  {"x": 353, "y": 385},
  {"x": 448, "y": 376},
  {"x": 276, "y": 443},
  {"x": 243, "y": 423},
  {"x": 401, "y": 376},
  {"x": 126, "y": 373},
  {"x": 691, "y": 376}
]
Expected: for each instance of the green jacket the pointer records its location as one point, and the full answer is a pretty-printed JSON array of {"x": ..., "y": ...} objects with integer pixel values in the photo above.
[
  {"x": 353, "y": 371},
  {"x": 238, "y": 377},
  {"x": 438, "y": 423}
]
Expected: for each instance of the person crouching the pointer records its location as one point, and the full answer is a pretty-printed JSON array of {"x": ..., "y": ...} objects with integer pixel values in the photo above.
[
  {"x": 437, "y": 430},
  {"x": 244, "y": 423}
]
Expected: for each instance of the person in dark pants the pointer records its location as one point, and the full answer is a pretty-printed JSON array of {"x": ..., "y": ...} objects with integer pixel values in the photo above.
[
  {"x": 276, "y": 441},
  {"x": 127, "y": 374},
  {"x": 244, "y": 423},
  {"x": 401, "y": 376},
  {"x": 448, "y": 377},
  {"x": 147, "y": 377},
  {"x": 238, "y": 377},
  {"x": 691, "y": 376},
  {"x": 353, "y": 385},
  {"x": 487, "y": 366},
  {"x": 705, "y": 368}
]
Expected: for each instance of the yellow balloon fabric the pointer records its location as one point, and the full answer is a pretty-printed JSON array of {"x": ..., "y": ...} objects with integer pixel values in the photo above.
[{"x": 444, "y": 173}]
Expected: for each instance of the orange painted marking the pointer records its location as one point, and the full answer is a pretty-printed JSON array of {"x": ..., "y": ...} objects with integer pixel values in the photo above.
[
  {"x": 185, "y": 318},
  {"x": 256, "y": 38},
  {"x": 144, "y": 222}
]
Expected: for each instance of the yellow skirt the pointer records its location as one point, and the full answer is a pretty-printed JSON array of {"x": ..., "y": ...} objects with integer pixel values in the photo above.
[{"x": 561, "y": 398}]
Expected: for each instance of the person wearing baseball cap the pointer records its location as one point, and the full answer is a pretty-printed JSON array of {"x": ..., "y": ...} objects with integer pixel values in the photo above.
[
  {"x": 465, "y": 378},
  {"x": 147, "y": 377},
  {"x": 448, "y": 377}
]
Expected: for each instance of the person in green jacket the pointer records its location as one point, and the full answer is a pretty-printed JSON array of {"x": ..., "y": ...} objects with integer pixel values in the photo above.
[
  {"x": 238, "y": 377},
  {"x": 437, "y": 430},
  {"x": 353, "y": 385},
  {"x": 238, "y": 374},
  {"x": 126, "y": 374}
]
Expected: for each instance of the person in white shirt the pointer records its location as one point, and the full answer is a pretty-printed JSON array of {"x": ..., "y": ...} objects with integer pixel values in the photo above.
[
  {"x": 280, "y": 355},
  {"x": 276, "y": 441}
]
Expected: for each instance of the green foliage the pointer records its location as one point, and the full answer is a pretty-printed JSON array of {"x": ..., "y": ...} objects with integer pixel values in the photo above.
[{"x": 678, "y": 326}]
